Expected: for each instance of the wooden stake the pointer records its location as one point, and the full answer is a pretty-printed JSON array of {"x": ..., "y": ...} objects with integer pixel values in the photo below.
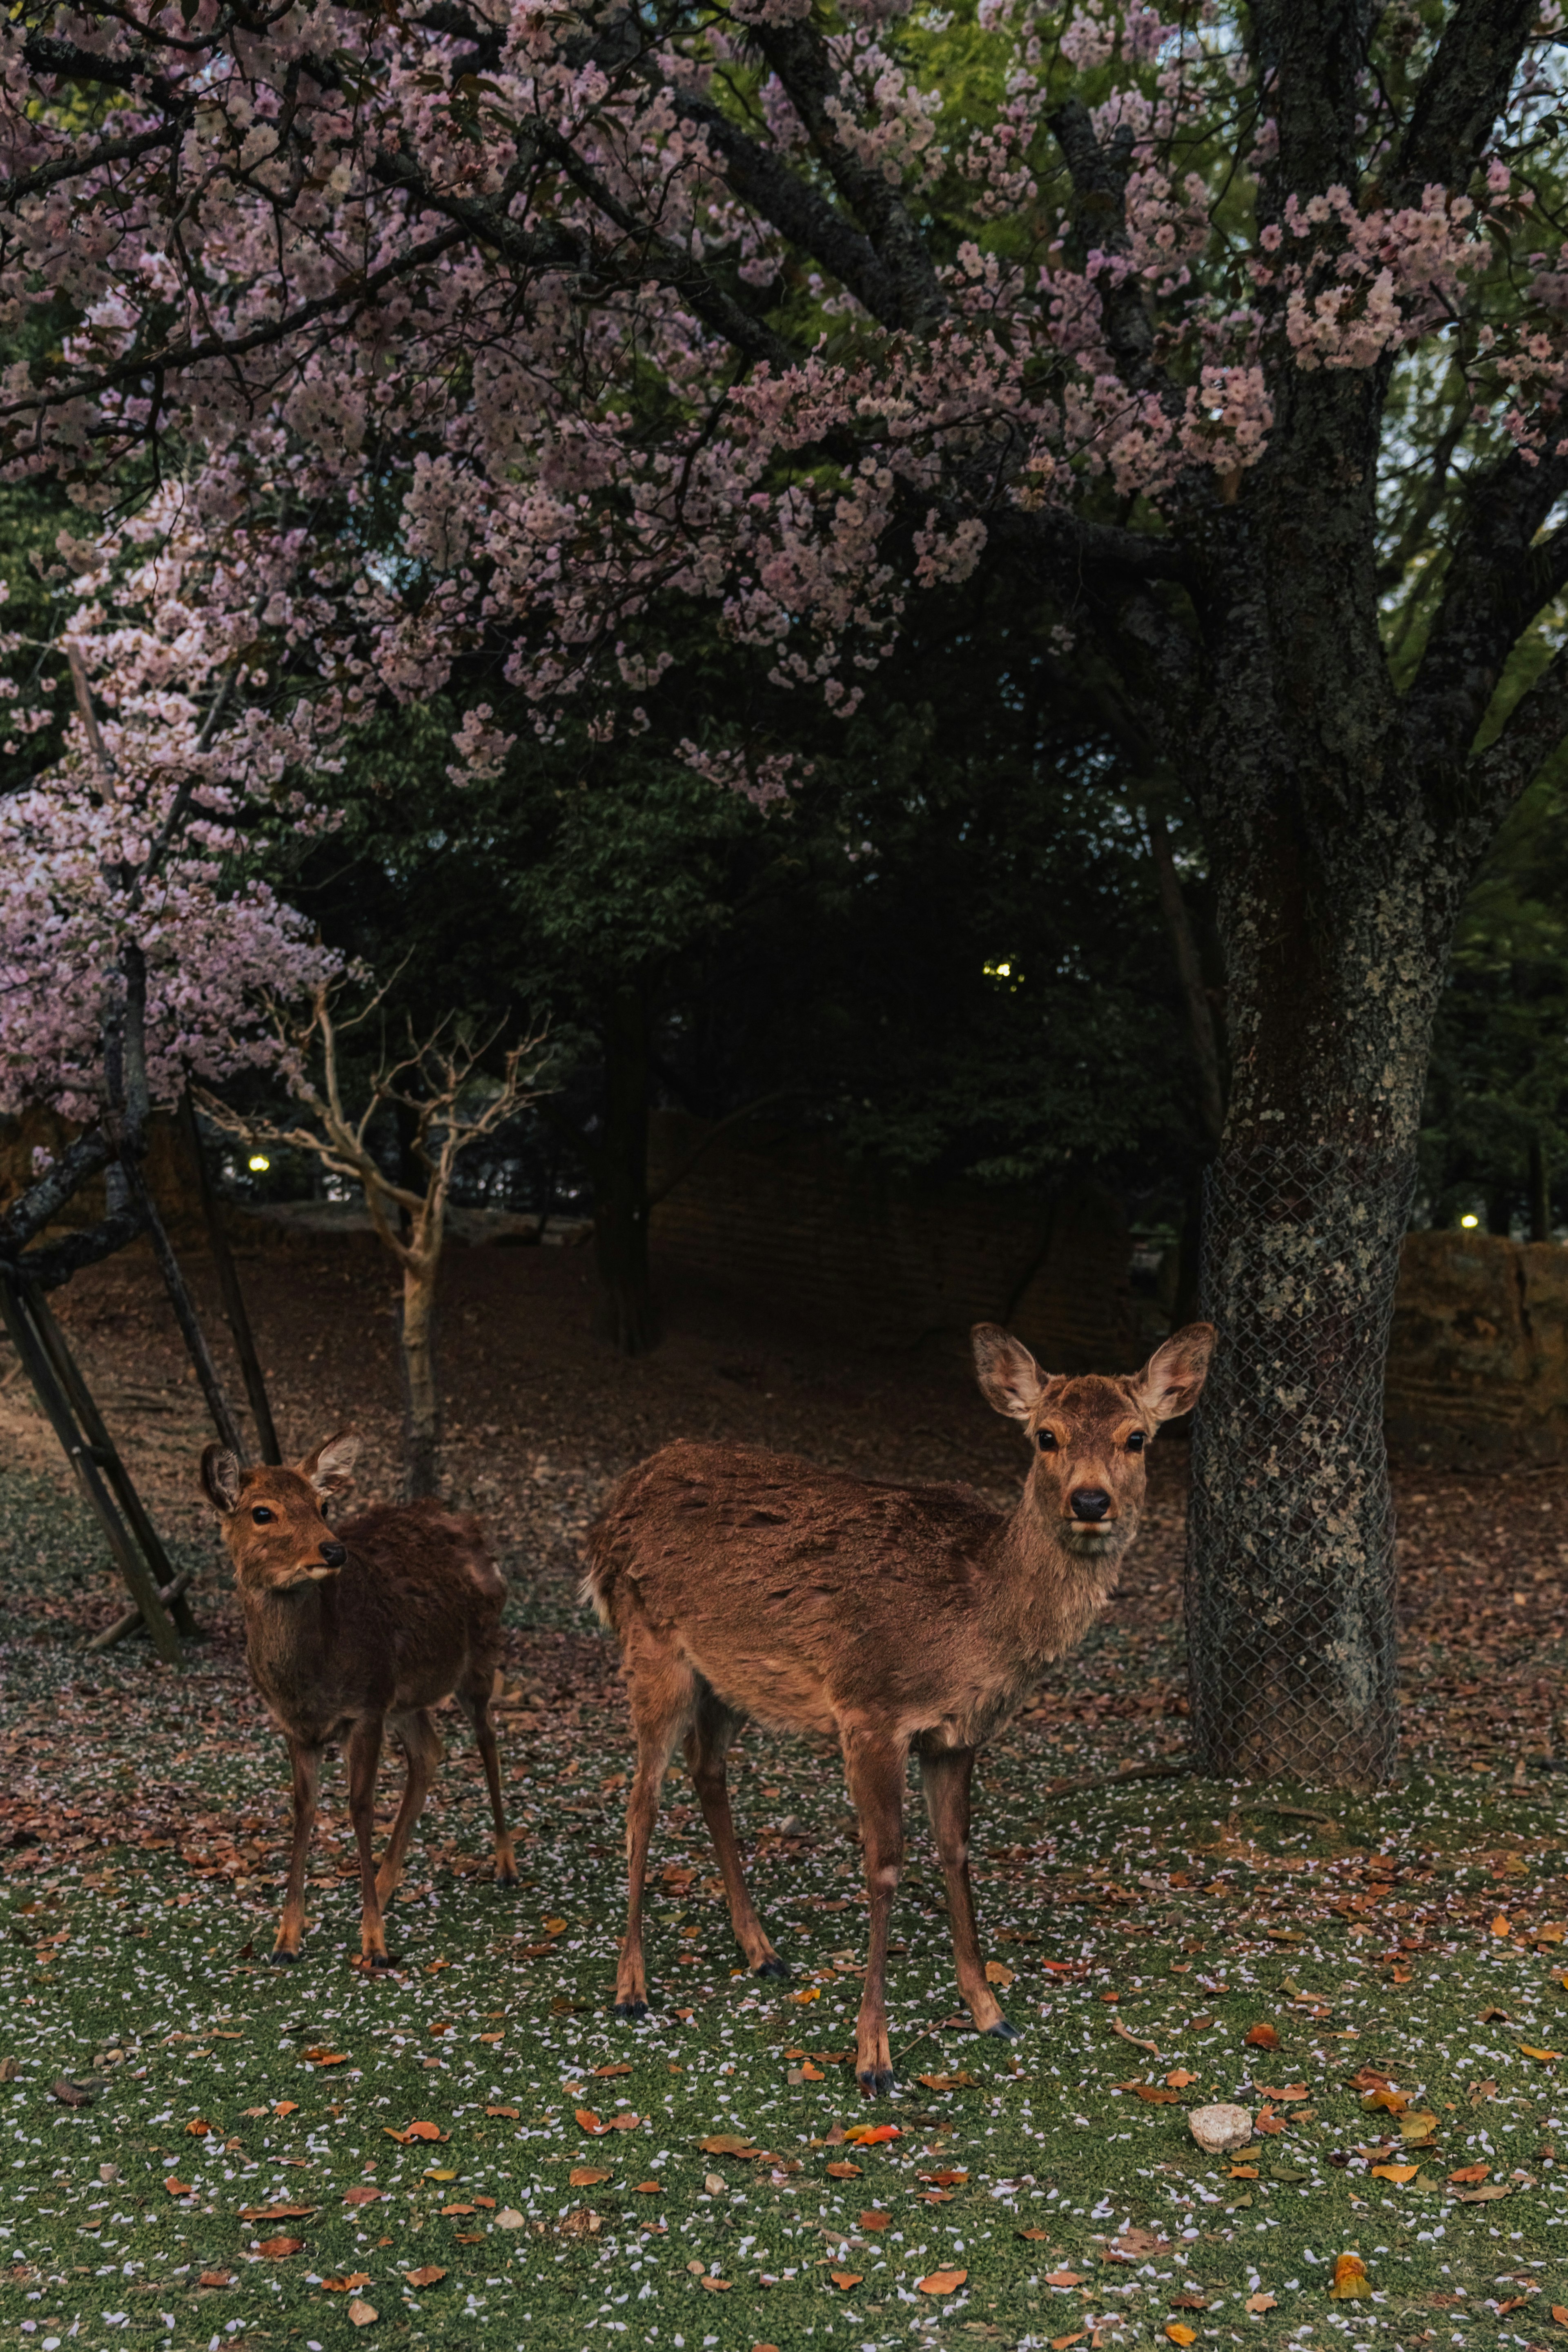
[
  {"x": 80, "y": 1399},
  {"x": 15, "y": 1306},
  {"x": 185, "y": 1315},
  {"x": 172, "y": 1596},
  {"x": 234, "y": 1308}
]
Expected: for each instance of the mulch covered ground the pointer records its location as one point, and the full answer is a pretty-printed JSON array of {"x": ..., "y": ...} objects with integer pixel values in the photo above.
[{"x": 205, "y": 2149}]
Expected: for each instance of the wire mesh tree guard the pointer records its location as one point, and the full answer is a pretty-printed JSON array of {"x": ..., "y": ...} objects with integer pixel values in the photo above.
[{"x": 1290, "y": 1575}]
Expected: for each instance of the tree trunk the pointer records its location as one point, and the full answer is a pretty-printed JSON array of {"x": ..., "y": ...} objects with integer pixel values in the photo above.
[
  {"x": 624, "y": 1311},
  {"x": 1336, "y": 946},
  {"x": 1189, "y": 971},
  {"x": 1336, "y": 900},
  {"x": 421, "y": 1399},
  {"x": 1539, "y": 1192}
]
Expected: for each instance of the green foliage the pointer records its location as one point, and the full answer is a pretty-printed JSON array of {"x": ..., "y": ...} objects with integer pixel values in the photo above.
[{"x": 1498, "y": 1080}]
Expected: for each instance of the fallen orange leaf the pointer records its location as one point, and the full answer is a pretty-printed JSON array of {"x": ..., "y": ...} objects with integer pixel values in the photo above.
[
  {"x": 1350, "y": 2278},
  {"x": 875, "y": 2219},
  {"x": 1180, "y": 2079},
  {"x": 1180, "y": 2333},
  {"x": 1258, "y": 2304},
  {"x": 1262, "y": 2037},
  {"x": 349, "y": 2285},
  {"x": 1065, "y": 2278},
  {"x": 431, "y": 2274},
  {"x": 1291, "y": 2092},
  {"x": 1399, "y": 2173},
  {"x": 1500, "y": 1925},
  {"x": 327, "y": 2057},
  {"x": 216, "y": 2278},
  {"x": 510, "y": 2114},
  {"x": 364, "y": 2195},
  {"x": 197, "y": 2129},
  {"x": 178, "y": 2187},
  {"x": 844, "y": 2172},
  {"x": 590, "y": 2122},
  {"x": 648, "y": 2189},
  {"x": 1468, "y": 2175},
  {"x": 582, "y": 2176},
  {"x": 997, "y": 1973},
  {"x": 1544, "y": 2054},
  {"x": 284, "y": 2106},
  {"x": 846, "y": 2279},
  {"x": 278, "y": 2250},
  {"x": 715, "y": 2286},
  {"x": 942, "y": 2281},
  {"x": 870, "y": 2134}
]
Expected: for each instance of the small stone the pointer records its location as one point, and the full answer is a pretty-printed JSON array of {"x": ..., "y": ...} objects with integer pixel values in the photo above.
[{"x": 1220, "y": 2130}]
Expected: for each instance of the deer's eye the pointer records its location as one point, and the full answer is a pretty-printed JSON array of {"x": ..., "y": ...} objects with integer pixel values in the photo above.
[
  {"x": 1136, "y": 1441},
  {"x": 262, "y": 1516},
  {"x": 1046, "y": 1439}
]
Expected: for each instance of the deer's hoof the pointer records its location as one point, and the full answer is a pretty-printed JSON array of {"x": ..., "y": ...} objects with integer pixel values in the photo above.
[
  {"x": 282, "y": 1958},
  {"x": 507, "y": 1877},
  {"x": 772, "y": 1967},
  {"x": 376, "y": 1963},
  {"x": 1003, "y": 2031},
  {"x": 877, "y": 2082},
  {"x": 631, "y": 2009}
]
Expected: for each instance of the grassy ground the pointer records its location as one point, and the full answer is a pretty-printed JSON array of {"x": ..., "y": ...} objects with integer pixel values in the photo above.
[
  {"x": 143, "y": 1820},
  {"x": 1413, "y": 1935}
]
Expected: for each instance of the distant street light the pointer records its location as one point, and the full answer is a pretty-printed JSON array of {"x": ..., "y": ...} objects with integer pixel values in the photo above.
[{"x": 259, "y": 1163}]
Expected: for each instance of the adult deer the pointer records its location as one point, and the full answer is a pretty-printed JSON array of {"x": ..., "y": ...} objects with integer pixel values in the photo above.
[
  {"x": 739, "y": 1583},
  {"x": 353, "y": 1634}
]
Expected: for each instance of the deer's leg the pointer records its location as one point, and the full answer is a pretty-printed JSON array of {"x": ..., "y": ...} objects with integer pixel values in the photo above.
[
  {"x": 945, "y": 1776},
  {"x": 306, "y": 1765},
  {"x": 663, "y": 1694},
  {"x": 874, "y": 1768},
  {"x": 474, "y": 1699},
  {"x": 363, "y": 1761},
  {"x": 713, "y": 1729},
  {"x": 421, "y": 1744}
]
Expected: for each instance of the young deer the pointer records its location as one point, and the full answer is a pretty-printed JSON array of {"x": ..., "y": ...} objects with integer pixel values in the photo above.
[
  {"x": 739, "y": 1583},
  {"x": 349, "y": 1634}
]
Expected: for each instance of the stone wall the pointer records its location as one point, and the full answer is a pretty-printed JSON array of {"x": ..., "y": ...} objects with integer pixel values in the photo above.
[
  {"x": 783, "y": 1218},
  {"x": 1477, "y": 1370},
  {"x": 1477, "y": 1375}
]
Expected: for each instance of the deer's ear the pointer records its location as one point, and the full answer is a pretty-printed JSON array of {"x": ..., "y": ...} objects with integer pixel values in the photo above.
[
  {"x": 331, "y": 1468},
  {"x": 1008, "y": 1375},
  {"x": 220, "y": 1478},
  {"x": 1170, "y": 1382}
]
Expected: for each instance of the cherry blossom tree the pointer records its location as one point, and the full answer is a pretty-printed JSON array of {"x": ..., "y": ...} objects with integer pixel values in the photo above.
[
  {"x": 1233, "y": 336},
  {"x": 136, "y": 952}
]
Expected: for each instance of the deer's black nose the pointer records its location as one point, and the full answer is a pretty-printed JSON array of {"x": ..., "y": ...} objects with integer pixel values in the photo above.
[
  {"x": 1089, "y": 1502},
  {"x": 333, "y": 1554}
]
